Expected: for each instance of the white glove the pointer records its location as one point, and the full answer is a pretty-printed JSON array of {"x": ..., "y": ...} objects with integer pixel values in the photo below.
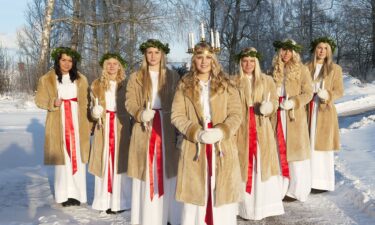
[
  {"x": 266, "y": 108},
  {"x": 323, "y": 94},
  {"x": 210, "y": 136},
  {"x": 147, "y": 115},
  {"x": 97, "y": 111},
  {"x": 287, "y": 104}
]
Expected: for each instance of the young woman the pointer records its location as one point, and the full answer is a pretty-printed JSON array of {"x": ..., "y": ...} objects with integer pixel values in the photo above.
[
  {"x": 293, "y": 84},
  {"x": 109, "y": 153},
  {"x": 262, "y": 192},
  {"x": 323, "y": 122},
  {"x": 63, "y": 92},
  {"x": 152, "y": 154},
  {"x": 207, "y": 111}
]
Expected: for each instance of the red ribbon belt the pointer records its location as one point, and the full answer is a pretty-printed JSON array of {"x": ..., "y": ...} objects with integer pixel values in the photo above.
[
  {"x": 209, "y": 219},
  {"x": 252, "y": 148},
  {"x": 311, "y": 108},
  {"x": 281, "y": 143},
  {"x": 69, "y": 133},
  {"x": 112, "y": 143},
  {"x": 156, "y": 146}
]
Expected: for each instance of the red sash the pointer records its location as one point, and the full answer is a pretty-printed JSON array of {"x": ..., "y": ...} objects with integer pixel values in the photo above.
[
  {"x": 70, "y": 140},
  {"x": 156, "y": 146},
  {"x": 281, "y": 143},
  {"x": 112, "y": 144},
  {"x": 209, "y": 219},
  {"x": 252, "y": 148}
]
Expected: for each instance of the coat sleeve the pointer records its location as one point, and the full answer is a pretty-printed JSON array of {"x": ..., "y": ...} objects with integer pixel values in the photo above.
[
  {"x": 180, "y": 119},
  {"x": 43, "y": 98},
  {"x": 131, "y": 103},
  {"x": 306, "y": 93},
  {"x": 337, "y": 90},
  {"x": 273, "y": 95},
  {"x": 234, "y": 114}
]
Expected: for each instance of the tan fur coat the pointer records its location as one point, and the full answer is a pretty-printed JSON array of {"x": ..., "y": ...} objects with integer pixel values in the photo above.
[
  {"x": 187, "y": 116},
  {"x": 45, "y": 97}
]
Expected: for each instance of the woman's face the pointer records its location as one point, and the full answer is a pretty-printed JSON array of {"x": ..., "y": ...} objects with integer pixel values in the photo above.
[
  {"x": 248, "y": 65},
  {"x": 66, "y": 63},
  {"x": 286, "y": 55},
  {"x": 203, "y": 63},
  {"x": 321, "y": 50},
  {"x": 112, "y": 66},
  {"x": 153, "y": 56}
]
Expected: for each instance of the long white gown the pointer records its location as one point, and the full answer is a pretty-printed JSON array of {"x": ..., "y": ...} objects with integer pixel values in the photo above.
[
  {"x": 161, "y": 209},
  {"x": 66, "y": 184},
  {"x": 322, "y": 162},
  {"x": 194, "y": 214},
  {"x": 120, "y": 198}
]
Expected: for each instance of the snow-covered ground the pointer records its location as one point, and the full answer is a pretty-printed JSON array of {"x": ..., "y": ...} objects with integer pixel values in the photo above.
[{"x": 26, "y": 186}]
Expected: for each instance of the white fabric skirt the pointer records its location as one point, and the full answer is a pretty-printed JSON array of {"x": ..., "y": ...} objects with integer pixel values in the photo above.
[
  {"x": 120, "y": 198},
  {"x": 66, "y": 184},
  {"x": 223, "y": 215},
  {"x": 322, "y": 162},
  {"x": 266, "y": 196}
]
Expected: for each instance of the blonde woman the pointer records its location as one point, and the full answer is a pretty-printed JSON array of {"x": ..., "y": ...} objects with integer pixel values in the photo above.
[
  {"x": 260, "y": 168},
  {"x": 293, "y": 83},
  {"x": 324, "y": 129},
  {"x": 63, "y": 92},
  {"x": 153, "y": 155},
  {"x": 108, "y": 158},
  {"x": 207, "y": 111}
]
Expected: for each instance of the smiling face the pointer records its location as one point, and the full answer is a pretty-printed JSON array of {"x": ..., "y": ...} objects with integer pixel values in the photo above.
[
  {"x": 286, "y": 55},
  {"x": 112, "y": 66},
  {"x": 66, "y": 63},
  {"x": 203, "y": 63},
  {"x": 248, "y": 65}
]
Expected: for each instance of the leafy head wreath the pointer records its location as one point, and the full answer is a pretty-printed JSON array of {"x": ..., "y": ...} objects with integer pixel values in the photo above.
[
  {"x": 327, "y": 40},
  {"x": 287, "y": 44},
  {"x": 155, "y": 44},
  {"x": 248, "y": 52},
  {"x": 65, "y": 50},
  {"x": 114, "y": 55}
]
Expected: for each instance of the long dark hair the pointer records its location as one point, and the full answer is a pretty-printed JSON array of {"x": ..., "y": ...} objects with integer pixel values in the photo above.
[{"x": 73, "y": 72}]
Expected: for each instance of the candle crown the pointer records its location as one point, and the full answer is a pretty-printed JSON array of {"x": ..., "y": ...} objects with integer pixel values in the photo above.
[{"x": 213, "y": 47}]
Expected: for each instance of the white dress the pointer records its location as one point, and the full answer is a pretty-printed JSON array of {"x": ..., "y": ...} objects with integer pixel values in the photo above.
[
  {"x": 161, "y": 209},
  {"x": 66, "y": 184},
  {"x": 322, "y": 162},
  {"x": 266, "y": 196},
  {"x": 120, "y": 198},
  {"x": 299, "y": 184},
  {"x": 194, "y": 214}
]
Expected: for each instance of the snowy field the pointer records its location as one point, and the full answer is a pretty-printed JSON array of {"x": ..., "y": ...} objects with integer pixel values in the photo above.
[{"x": 26, "y": 186}]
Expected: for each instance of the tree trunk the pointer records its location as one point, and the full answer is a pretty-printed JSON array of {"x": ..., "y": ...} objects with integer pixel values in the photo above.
[
  {"x": 42, "y": 65},
  {"x": 373, "y": 31},
  {"x": 75, "y": 25}
]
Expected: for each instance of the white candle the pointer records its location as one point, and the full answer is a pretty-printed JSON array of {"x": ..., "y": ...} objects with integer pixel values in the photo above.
[
  {"x": 202, "y": 31},
  {"x": 217, "y": 39},
  {"x": 212, "y": 39},
  {"x": 192, "y": 40},
  {"x": 323, "y": 85},
  {"x": 189, "y": 40}
]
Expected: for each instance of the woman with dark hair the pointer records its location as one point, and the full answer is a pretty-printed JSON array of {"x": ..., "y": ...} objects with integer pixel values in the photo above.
[
  {"x": 207, "y": 111},
  {"x": 324, "y": 128},
  {"x": 260, "y": 167},
  {"x": 109, "y": 151},
  {"x": 293, "y": 83},
  {"x": 152, "y": 153},
  {"x": 63, "y": 92}
]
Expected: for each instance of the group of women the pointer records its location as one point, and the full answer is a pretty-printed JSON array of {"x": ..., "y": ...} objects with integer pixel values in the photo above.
[{"x": 202, "y": 149}]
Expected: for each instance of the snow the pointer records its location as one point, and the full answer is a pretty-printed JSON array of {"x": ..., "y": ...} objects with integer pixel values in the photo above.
[{"x": 26, "y": 185}]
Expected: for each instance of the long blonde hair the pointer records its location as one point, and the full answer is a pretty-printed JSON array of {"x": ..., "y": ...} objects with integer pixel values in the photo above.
[
  {"x": 104, "y": 78},
  {"x": 146, "y": 79},
  {"x": 327, "y": 64},
  {"x": 257, "y": 84}
]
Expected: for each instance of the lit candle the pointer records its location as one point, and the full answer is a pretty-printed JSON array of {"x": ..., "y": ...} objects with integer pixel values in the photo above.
[
  {"x": 217, "y": 40},
  {"x": 202, "y": 32},
  {"x": 212, "y": 39}
]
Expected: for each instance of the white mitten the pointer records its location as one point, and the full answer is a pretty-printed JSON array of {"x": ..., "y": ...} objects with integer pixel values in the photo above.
[
  {"x": 266, "y": 108},
  {"x": 287, "y": 104},
  {"x": 147, "y": 115},
  {"x": 210, "y": 136},
  {"x": 97, "y": 111},
  {"x": 323, "y": 94}
]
